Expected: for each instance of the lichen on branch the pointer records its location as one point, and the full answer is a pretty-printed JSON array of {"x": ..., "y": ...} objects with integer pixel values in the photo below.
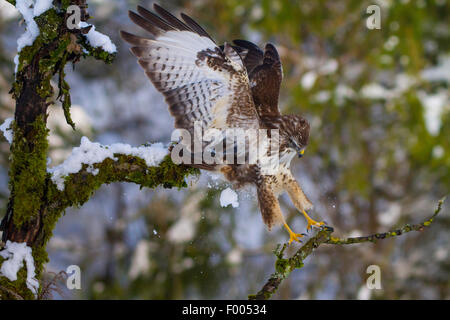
[{"x": 284, "y": 266}]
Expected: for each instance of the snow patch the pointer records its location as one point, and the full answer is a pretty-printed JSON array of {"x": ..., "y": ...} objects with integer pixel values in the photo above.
[
  {"x": 364, "y": 293},
  {"x": 140, "y": 263},
  {"x": 434, "y": 105},
  {"x": 97, "y": 39},
  {"x": 228, "y": 197},
  {"x": 308, "y": 80},
  {"x": 441, "y": 72},
  {"x": 234, "y": 257},
  {"x": 328, "y": 67},
  {"x": 391, "y": 215},
  {"x": 25, "y": 7},
  {"x": 7, "y": 130},
  {"x": 41, "y": 6},
  {"x": 15, "y": 253},
  {"x": 375, "y": 91},
  {"x": 317, "y": 67},
  {"x": 90, "y": 153},
  {"x": 184, "y": 229},
  {"x": 30, "y": 9}
]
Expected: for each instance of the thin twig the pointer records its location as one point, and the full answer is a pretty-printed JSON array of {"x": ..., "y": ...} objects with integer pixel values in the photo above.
[
  {"x": 283, "y": 267},
  {"x": 394, "y": 233}
]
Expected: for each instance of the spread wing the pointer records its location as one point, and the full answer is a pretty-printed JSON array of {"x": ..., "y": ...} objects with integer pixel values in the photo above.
[
  {"x": 200, "y": 81},
  {"x": 265, "y": 73}
]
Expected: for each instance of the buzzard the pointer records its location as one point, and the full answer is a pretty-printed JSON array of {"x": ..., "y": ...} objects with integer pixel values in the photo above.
[{"x": 223, "y": 87}]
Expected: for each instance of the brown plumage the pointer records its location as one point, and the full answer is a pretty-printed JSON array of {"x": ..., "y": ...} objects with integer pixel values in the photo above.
[{"x": 223, "y": 87}]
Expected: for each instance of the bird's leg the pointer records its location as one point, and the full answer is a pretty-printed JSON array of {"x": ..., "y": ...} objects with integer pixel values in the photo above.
[
  {"x": 311, "y": 222},
  {"x": 270, "y": 208},
  {"x": 292, "y": 235},
  {"x": 300, "y": 201}
]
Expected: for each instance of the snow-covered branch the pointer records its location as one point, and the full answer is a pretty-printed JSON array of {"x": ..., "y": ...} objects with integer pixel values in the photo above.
[
  {"x": 92, "y": 165},
  {"x": 15, "y": 254},
  {"x": 92, "y": 154},
  {"x": 35, "y": 202}
]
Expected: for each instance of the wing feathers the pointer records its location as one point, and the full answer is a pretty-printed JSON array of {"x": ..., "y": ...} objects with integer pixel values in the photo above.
[
  {"x": 233, "y": 55},
  {"x": 195, "y": 26},
  {"x": 271, "y": 56},
  {"x": 135, "y": 40},
  {"x": 154, "y": 19},
  {"x": 200, "y": 81},
  {"x": 251, "y": 54},
  {"x": 265, "y": 73},
  {"x": 144, "y": 23},
  {"x": 171, "y": 19}
]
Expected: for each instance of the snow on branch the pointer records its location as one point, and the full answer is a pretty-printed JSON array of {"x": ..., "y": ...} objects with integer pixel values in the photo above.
[
  {"x": 284, "y": 266},
  {"x": 29, "y": 9},
  {"x": 92, "y": 165},
  {"x": 15, "y": 253},
  {"x": 97, "y": 39},
  {"x": 7, "y": 130},
  {"x": 91, "y": 153}
]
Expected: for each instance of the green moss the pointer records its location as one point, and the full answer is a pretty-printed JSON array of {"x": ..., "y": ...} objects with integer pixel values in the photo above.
[
  {"x": 28, "y": 171},
  {"x": 79, "y": 187},
  {"x": 49, "y": 25},
  {"x": 265, "y": 296},
  {"x": 27, "y": 53},
  {"x": 45, "y": 89},
  {"x": 48, "y": 66},
  {"x": 65, "y": 4},
  {"x": 96, "y": 52},
  {"x": 33, "y": 194},
  {"x": 281, "y": 266},
  {"x": 64, "y": 94},
  {"x": 19, "y": 287}
]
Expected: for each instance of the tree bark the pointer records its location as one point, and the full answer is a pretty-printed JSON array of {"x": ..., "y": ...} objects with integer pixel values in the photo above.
[{"x": 35, "y": 203}]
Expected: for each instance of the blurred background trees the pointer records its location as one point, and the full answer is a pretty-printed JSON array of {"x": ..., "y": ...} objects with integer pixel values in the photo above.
[{"x": 379, "y": 156}]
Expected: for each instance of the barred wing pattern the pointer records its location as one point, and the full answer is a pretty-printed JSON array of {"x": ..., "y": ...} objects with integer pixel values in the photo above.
[{"x": 200, "y": 81}]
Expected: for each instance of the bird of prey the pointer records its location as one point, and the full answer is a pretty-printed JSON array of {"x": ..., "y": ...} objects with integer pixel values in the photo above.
[{"x": 223, "y": 87}]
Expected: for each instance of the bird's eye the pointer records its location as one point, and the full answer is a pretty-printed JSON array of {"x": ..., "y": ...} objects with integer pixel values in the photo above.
[{"x": 293, "y": 144}]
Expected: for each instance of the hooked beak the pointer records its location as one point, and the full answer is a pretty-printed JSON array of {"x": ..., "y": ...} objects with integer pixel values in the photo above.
[{"x": 301, "y": 152}]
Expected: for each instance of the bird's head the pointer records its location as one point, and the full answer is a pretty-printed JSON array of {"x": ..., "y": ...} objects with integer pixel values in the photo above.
[{"x": 294, "y": 134}]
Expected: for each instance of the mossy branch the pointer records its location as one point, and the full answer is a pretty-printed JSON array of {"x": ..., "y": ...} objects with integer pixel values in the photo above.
[
  {"x": 32, "y": 210},
  {"x": 394, "y": 233},
  {"x": 80, "y": 186},
  {"x": 284, "y": 266}
]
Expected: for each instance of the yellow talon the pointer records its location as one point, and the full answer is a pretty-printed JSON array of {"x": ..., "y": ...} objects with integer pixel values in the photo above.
[
  {"x": 311, "y": 222},
  {"x": 292, "y": 235}
]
